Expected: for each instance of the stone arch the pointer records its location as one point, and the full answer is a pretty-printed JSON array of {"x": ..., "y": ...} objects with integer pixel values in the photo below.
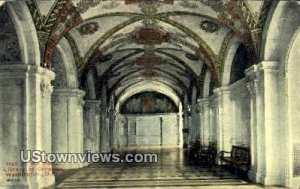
[
  {"x": 147, "y": 86},
  {"x": 283, "y": 19},
  {"x": 234, "y": 45},
  {"x": 293, "y": 85},
  {"x": 64, "y": 66},
  {"x": 26, "y": 32}
]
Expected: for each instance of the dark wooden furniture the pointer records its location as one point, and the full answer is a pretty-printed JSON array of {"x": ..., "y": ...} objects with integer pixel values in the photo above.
[
  {"x": 207, "y": 155},
  {"x": 238, "y": 158}
]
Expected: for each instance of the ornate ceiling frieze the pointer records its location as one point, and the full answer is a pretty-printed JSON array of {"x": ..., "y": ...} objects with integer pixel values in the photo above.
[
  {"x": 68, "y": 18},
  {"x": 216, "y": 5},
  {"x": 107, "y": 35},
  {"x": 224, "y": 47}
]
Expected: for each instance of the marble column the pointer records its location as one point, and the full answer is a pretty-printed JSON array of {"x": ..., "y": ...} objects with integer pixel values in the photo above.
[
  {"x": 113, "y": 129},
  {"x": 252, "y": 87},
  {"x": 225, "y": 117},
  {"x": 105, "y": 131},
  {"x": 268, "y": 166},
  {"x": 67, "y": 123},
  {"x": 204, "y": 121},
  {"x": 92, "y": 125},
  {"x": 25, "y": 122}
]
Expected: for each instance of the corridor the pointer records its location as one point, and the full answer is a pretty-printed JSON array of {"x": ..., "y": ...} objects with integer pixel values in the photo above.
[{"x": 170, "y": 171}]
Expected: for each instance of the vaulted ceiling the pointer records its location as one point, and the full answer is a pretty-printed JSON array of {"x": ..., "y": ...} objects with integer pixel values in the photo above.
[{"x": 174, "y": 42}]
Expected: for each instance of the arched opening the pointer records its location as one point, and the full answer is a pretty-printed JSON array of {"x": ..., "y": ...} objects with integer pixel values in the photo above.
[
  {"x": 239, "y": 64},
  {"x": 148, "y": 118}
]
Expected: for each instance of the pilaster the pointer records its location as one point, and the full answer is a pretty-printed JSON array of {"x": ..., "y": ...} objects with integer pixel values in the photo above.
[
  {"x": 225, "y": 117},
  {"x": 67, "y": 126},
  {"x": 25, "y": 95},
  {"x": 92, "y": 125},
  {"x": 265, "y": 124},
  {"x": 204, "y": 120}
]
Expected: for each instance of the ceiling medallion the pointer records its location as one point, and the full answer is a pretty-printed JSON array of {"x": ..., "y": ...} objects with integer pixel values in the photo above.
[
  {"x": 149, "y": 74},
  {"x": 88, "y": 28},
  {"x": 148, "y": 60},
  {"x": 209, "y": 26},
  {"x": 192, "y": 57},
  {"x": 150, "y": 36}
]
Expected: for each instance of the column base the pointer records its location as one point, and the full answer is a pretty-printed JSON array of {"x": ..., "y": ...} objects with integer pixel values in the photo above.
[
  {"x": 254, "y": 176},
  {"x": 272, "y": 180},
  {"x": 294, "y": 183},
  {"x": 266, "y": 179}
]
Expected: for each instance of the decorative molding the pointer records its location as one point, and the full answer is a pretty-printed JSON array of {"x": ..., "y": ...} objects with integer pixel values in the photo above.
[
  {"x": 103, "y": 38},
  {"x": 67, "y": 19},
  {"x": 75, "y": 50},
  {"x": 105, "y": 58},
  {"x": 46, "y": 88},
  {"x": 35, "y": 13},
  {"x": 216, "y": 5},
  {"x": 50, "y": 21},
  {"x": 112, "y": 4},
  {"x": 191, "y": 56},
  {"x": 83, "y": 5},
  {"x": 188, "y": 4}
]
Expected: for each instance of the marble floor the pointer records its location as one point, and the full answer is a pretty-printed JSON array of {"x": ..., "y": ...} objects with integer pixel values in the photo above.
[{"x": 171, "y": 171}]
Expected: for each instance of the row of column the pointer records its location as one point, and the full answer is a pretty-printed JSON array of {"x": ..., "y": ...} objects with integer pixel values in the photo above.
[
  {"x": 80, "y": 126},
  {"x": 268, "y": 138},
  {"x": 34, "y": 116}
]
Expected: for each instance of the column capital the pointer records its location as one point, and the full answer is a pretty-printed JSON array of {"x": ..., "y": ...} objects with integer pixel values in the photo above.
[
  {"x": 94, "y": 103},
  {"x": 222, "y": 90},
  {"x": 13, "y": 70},
  {"x": 203, "y": 101},
  {"x": 68, "y": 93},
  {"x": 268, "y": 65},
  {"x": 252, "y": 86},
  {"x": 46, "y": 88}
]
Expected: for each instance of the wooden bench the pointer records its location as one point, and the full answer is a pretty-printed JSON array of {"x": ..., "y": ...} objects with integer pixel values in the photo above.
[{"x": 239, "y": 158}]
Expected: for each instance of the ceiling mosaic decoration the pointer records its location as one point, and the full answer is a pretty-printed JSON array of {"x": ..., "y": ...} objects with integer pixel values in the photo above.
[
  {"x": 148, "y": 102},
  {"x": 116, "y": 35},
  {"x": 209, "y": 26},
  {"x": 88, "y": 28}
]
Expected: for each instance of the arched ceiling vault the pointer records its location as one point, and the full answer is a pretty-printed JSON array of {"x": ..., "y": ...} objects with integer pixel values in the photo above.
[{"x": 175, "y": 42}]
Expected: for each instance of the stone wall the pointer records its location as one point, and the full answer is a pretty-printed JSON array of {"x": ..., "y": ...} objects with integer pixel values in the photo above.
[{"x": 148, "y": 130}]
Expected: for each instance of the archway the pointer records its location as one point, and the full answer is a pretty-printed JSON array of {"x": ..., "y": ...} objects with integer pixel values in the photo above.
[{"x": 148, "y": 119}]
